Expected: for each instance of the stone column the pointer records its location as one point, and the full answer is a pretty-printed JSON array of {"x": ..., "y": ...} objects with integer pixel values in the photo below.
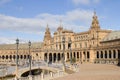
[
  {"x": 52, "y": 57},
  {"x": 112, "y": 54},
  {"x": 30, "y": 77},
  {"x": 86, "y": 56},
  {"x": 103, "y": 54},
  {"x": 51, "y": 74},
  {"x": 47, "y": 57},
  {"x": 107, "y": 54},
  {"x": 82, "y": 56},
  {"x": 42, "y": 76},
  {"x": 56, "y": 57},
  {"x": 116, "y": 54}
]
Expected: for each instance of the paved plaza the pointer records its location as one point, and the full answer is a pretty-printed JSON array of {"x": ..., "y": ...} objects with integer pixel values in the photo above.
[{"x": 95, "y": 72}]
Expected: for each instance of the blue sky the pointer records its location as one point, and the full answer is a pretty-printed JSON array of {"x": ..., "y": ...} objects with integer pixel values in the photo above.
[{"x": 27, "y": 19}]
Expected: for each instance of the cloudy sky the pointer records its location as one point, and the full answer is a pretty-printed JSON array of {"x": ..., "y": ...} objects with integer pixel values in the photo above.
[{"x": 27, "y": 19}]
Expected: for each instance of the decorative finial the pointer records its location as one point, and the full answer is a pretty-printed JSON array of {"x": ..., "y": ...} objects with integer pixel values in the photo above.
[
  {"x": 94, "y": 12},
  {"x": 60, "y": 22},
  {"x": 47, "y": 25}
]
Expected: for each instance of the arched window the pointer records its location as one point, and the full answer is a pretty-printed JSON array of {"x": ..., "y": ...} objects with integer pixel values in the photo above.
[
  {"x": 109, "y": 53},
  {"x": 10, "y": 56},
  {"x": 74, "y": 55},
  {"x": 77, "y": 54},
  {"x": 68, "y": 55},
  {"x": 114, "y": 54},
  {"x": 88, "y": 55},
  {"x": 6, "y": 56},
  {"x": 97, "y": 54},
  {"x": 3, "y": 57},
  {"x": 101, "y": 54},
  {"x": 105, "y": 54}
]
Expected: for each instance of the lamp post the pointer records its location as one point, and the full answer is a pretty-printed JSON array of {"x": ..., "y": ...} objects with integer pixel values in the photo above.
[
  {"x": 63, "y": 59},
  {"x": 29, "y": 44},
  {"x": 17, "y": 43},
  {"x": 69, "y": 43}
]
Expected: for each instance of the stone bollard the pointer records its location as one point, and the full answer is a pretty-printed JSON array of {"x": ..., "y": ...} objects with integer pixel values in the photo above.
[
  {"x": 16, "y": 78},
  {"x": 58, "y": 73},
  {"x": 30, "y": 77},
  {"x": 42, "y": 76},
  {"x": 51, "y": 74}
]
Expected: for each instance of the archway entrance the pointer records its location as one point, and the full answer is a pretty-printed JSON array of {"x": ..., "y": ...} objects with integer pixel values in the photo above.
[
  {"x": 34, "y": 72},
  {"x": 59, "y": 57},
  {"x": 50, "y": 58},
  {"x": 54, "y": 56},
  {"x": 45, "y": 57}
]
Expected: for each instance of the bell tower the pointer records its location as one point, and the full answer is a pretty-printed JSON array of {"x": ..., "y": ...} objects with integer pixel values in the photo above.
[
  {"x": 95, "y": 23},
  {"x": 47, "y": 35},
  {"x": 94, "y": 31}
]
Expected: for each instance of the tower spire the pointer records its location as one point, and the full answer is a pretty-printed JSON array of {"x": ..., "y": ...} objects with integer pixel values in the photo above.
[
  {"x": 95, "y": 22},
  {"x": 60, "y": 23},
  {"x": 60, "y": 27},
  {"x": 47, "y": 33}
]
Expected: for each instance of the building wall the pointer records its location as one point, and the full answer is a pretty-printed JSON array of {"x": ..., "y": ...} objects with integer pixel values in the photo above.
[{"x": 85, "y": 47}]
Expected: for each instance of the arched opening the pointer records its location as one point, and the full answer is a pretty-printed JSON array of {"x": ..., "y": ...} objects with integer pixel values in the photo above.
[
  {"x": 101, "y": 54},
  {"x": 10, "y": 56},
  {"x": 109, "y": 53},
  {"x": 80, "y": 55},
  {"x": 59, "y": 57},
  {"x": 21, "y": 57},
  {"x": 114, "y": 54},
  {"x": 50, "y": 58},
  {"x": 68, "y": 55},
  {"x": 74, "y": 55},
  {"x": 54, "y": 57},
  {"x": 34, "y": 72},
  {"x": 97, "y": 54},
  {"x": 77, "y": 54},
  {"x": 84, "y": 54},
  {"x": 88, "y": 54},
  {"x": 6, "y": 56},
  {"x": 62, "y": 56},
  {"x": 105, "y": 54},
  {"x": 118, "y": 54},
  {"x": 18, "y": 56},
  {"x": 45, "y": 57},
  {"x": 24, "y": 56},
  {"x": 3, "y": 57},
  {"x": 13, "y": 56},
  {"x": 28, "y": 56}
]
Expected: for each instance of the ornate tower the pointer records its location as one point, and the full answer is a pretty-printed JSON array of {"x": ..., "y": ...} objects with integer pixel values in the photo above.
[
  {"x": 94, "y": 31},
  {"x": 95, "y": 23},
  {"x": 47, "y": 34}
]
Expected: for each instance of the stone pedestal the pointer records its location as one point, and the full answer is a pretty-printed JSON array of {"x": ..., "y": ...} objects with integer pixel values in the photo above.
[
  {"x": 30, "y": 77},
  {"x": 42, "y": 76}
]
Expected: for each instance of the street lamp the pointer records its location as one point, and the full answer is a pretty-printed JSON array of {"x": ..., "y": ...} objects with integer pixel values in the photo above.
[
  {"x": 69, "y": 43},
  {"x": 29, "y": 44},
  {"x": 63, "y": 59},
  {"x": 17, "y": 43}
]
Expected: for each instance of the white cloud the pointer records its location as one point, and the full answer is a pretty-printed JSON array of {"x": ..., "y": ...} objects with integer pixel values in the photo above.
[
  {"x": 12, "y": 40},
  {"x": 76, "y": 19},
  {"x": 4, "y": 1},
  {"x": 4, "y": 40},
  {"x": 38, "y": 23},
  {"x": 85, "y": 2}
]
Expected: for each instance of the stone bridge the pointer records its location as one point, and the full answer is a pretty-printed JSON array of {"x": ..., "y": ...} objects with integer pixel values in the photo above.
[{"x": 49, "y": 68}]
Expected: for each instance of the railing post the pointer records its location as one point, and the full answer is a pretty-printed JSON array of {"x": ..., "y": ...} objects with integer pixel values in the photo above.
[
  {"x": 30, "y": 77},
  {"x": 42, "y": 76}
]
